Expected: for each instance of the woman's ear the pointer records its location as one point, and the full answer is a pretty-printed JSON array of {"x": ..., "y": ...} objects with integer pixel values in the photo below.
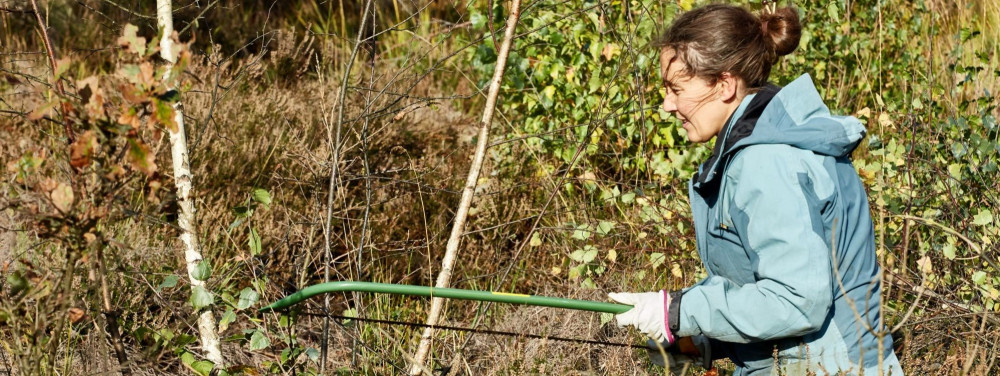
[{"x": 729, "y": 87}]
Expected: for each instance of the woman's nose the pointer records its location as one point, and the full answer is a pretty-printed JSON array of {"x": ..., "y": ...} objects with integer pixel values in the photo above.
[{"x": 669, "y": 105}]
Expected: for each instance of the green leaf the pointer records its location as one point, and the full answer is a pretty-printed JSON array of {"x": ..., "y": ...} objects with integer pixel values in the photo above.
[
  {"x": 242, "y": 211},
  {"x": 536, "y": 240},
  {"x": 248, "y": 297},
  {"x": 261, "y": 196},
  {"x": 202, "y": 271},
  {"x": 984, "y": 218},
  {"x": 605, "y": 227},
  {"x": 627, "y": 198},
  {"x": 949, "y": 251},
  {"x": 313, "y": 354},
  {"x": 203, "y": 367},
  {"x": 187, "y": 358},
  {"x": 259, "y": 340},
  {"x": 254, "y": 243},
  {"x": 227, "y": 318},
  {"x": 657, "y": 259},
  {"x": 164, "y": 113},
  {"x": 581, "y": 232},
  {"x": 979, "y": 278},
  {"x": 201, "y": 298},
  {"x": 169, "y": 281},
  {"x": 606, "y": 317},
  {"x": 17, "y": 282}
]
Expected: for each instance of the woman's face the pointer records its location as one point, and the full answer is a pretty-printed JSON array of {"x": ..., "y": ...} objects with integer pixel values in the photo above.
[{"x": 702, "y": 107}]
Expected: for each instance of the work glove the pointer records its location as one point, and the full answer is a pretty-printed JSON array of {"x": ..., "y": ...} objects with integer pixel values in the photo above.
[
  {"x": 682, "y": 354},
  {"x": 648, "y": 314}
]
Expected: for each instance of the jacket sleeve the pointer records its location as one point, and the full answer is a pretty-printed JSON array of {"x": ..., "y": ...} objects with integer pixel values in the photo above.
[{"x": 777, "y": 214}]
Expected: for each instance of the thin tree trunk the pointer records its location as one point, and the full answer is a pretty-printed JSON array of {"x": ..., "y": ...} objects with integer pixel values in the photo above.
[
  {"x": 183, "y": 181},
  {"x": 451, "y": 250}
]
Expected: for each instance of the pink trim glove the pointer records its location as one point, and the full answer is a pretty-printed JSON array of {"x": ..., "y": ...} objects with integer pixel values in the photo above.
[{"x": 648, "y": 313}]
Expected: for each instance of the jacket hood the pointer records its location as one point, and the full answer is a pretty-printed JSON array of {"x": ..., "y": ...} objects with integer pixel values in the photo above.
[{"x": 794, "y": 115}]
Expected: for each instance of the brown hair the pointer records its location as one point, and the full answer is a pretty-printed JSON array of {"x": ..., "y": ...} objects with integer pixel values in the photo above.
[{"x": 720, "y": 38}]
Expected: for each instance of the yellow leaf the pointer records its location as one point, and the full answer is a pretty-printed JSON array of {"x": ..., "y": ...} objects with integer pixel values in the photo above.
[
  {"x": 925, "y": 265},
  {"x": 686, "y": 4},
  {"x": 610, "y": 51}
]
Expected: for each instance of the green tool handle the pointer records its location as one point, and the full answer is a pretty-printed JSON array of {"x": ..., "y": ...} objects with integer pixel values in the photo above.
[{"x": 450, "y": 293}]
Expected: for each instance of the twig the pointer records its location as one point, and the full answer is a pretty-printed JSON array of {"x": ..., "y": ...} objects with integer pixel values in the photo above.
[{"x": 327, "y": 256}]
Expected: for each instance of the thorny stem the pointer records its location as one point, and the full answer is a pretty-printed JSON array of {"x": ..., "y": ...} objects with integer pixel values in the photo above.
[{"x": 52, "y": 61}]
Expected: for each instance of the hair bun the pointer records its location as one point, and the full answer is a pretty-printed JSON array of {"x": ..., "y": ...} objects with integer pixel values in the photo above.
[{"x": 782, "y": 30}]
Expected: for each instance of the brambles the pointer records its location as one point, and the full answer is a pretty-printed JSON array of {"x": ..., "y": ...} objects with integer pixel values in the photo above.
[{"x": 578, "y": 129}]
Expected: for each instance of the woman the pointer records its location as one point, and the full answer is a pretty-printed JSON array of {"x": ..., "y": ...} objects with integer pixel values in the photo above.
[{"x": 782, "y": 220}]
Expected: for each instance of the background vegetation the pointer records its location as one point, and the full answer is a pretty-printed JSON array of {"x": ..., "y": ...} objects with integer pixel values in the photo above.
[{"x": 584, "y": 192}]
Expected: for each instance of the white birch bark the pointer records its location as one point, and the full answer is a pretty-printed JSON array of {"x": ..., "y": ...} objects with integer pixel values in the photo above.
[
  {"x": 183, "y": 181},
  {"x": 451, "y": 250}
]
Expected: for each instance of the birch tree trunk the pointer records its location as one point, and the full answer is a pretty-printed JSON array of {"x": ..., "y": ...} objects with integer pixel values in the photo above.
[
  {"x": 451, "y": 250},
  {"x": 183, "y": 180}
]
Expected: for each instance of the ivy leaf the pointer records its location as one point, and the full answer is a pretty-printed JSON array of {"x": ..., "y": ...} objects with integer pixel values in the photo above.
[
  {"x": 259, "y": 341},
  {"x": 62, "y": 197},
  {"x": 248, "y": 297},
  {"x": 984, "y": 218},
  {"x": 254, "y": 243},
  {"x": 141, "y": 157},
  {"x": 201, "y": 298}
]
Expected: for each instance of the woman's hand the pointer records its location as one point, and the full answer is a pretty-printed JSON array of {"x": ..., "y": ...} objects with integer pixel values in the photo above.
[{"x": 648, "y": 314}]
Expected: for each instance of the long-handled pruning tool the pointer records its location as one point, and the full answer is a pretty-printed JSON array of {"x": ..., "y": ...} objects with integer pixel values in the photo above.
[{"x": 451, "y": 293}]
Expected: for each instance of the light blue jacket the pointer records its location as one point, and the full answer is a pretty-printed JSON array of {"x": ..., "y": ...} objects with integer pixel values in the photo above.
[{"x": 784, "y": 230}]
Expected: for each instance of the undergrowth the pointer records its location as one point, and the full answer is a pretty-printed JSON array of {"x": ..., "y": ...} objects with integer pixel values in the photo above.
[{"x": 578, "y": 145}]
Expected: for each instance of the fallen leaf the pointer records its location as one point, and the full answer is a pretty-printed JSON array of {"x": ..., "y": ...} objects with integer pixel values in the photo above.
[
  {"x": 82, "y": 150},
  {"x": 62, "y": 197},
  {"x": 76, "y": 315}
]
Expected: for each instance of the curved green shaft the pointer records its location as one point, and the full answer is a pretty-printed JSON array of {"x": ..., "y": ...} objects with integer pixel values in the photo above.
[{"x": 486, "y": 296}]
